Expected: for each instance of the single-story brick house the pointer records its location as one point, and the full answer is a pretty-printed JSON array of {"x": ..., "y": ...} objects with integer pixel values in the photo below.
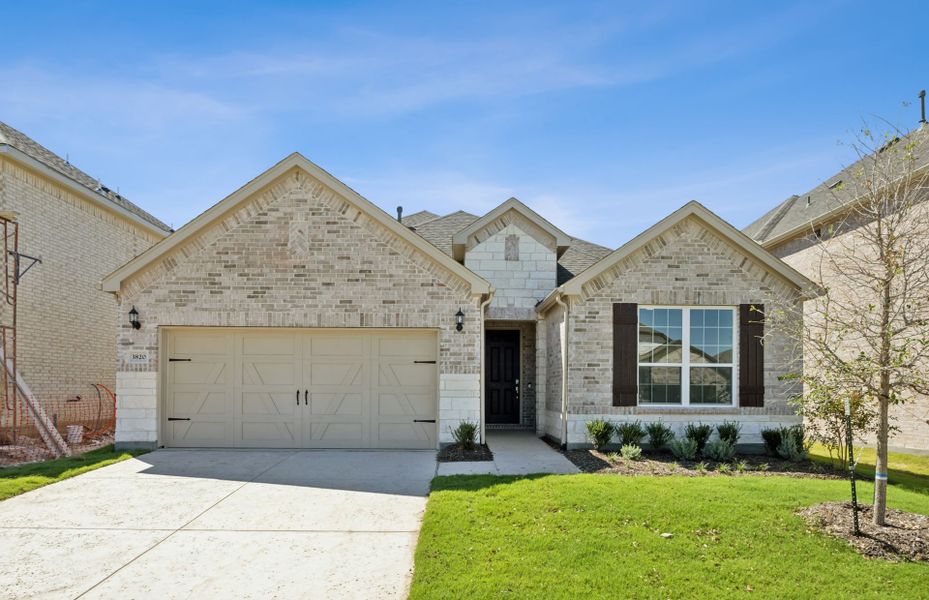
[{"x": 295, "y": 313}]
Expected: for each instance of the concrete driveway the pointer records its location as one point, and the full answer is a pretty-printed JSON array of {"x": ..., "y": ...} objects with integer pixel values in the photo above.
[{"x": 221, "y": 524}]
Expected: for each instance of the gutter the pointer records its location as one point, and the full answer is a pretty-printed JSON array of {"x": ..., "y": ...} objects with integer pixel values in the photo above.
[
  {"x": 79, "y": 189},
  {"x": 483, "y": 305},
  {"x": 564, "y": 372}
]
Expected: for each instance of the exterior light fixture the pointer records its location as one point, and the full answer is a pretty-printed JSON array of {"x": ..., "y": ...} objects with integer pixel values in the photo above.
[
  {"x": 459, "y": 320},
  {"x": 134, "y": 318}
]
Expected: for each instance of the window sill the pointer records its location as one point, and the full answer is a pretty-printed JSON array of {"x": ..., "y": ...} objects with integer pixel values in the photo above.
[{"x": 684, "y": 410}]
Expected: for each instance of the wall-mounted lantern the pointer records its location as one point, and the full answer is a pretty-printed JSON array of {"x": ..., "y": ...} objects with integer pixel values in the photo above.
[
  {"x": 459, "y": 320},
  {"x": 134, "y": 318}
]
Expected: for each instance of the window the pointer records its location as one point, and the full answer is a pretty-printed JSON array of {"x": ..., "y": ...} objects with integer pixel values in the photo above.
[{"x": 686, "y": 356}]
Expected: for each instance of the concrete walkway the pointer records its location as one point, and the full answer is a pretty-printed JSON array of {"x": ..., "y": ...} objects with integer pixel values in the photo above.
[
  {"x": 221, "y": 524},
  {"x": 515, "y": 453}
]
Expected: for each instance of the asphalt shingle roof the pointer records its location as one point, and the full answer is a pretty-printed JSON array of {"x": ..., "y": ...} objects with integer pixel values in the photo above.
[
  {"x": 799, "y": 212},
  {"x": 16, "y": 139},
  {"x": 419, "y": 218},
  {"x": 439, "y": 232}
]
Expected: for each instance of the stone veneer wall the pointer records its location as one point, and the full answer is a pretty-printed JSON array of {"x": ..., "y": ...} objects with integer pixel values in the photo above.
[
  {"x": 520, "y": 279},
  {"x": 295, "y": 254},
  {"x": 66, "y": 333},
  {"x": 687, "y": 265},
  {"x": 528, "y": 388},
  {"x": 804, "y": 253}
]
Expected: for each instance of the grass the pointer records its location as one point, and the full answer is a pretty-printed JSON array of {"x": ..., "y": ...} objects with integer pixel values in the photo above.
[
  {"x": 599, "y": 536},
  {"x": 904, "y": 470},
  {"x": 23, "y": 478}
]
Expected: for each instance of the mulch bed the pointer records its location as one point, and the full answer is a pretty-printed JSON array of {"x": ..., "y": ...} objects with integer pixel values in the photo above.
[
  {"x": 905, "y": 537},
  {"x": 457, "y": 453},
  {"x": 656, "y": 463}
]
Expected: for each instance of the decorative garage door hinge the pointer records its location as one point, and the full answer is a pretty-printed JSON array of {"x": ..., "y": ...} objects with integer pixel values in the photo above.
[
  {"x": 424, "y": 420},
  {"x": 423, "y": 362},
  {"x": 179, "y": 360},
  {"x": 178, "y": 418}
]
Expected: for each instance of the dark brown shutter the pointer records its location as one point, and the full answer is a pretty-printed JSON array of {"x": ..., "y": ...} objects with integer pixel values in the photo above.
[
  {"x": 751, "y": 355},
  {"x": 625, "y": 353}
]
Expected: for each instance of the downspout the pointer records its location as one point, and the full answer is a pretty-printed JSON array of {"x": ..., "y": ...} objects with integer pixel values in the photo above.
[
  {"x": 483, "y": 305},
  {"x": 564, "y": 374}
]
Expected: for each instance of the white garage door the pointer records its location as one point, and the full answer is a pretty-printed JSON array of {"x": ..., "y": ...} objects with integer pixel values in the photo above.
[{"x": 300, "y": 389}]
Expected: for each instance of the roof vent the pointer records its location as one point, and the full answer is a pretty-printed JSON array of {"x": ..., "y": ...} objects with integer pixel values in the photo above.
[
  {"x": 922, "y": 107},
  {"x": 399, "y": 214},
  {"x": 809, "y": 200},
  {"x": 835, "y": 184}
]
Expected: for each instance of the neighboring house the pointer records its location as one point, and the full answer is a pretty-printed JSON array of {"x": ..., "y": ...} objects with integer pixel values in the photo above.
[
  {"x": 295, "y": 313},
  {"x": 801, "y": 227},
  {"x": 81, "y": 231}
]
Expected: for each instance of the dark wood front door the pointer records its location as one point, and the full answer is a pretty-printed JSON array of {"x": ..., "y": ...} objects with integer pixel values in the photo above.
[{"x": 502, "y": 377}]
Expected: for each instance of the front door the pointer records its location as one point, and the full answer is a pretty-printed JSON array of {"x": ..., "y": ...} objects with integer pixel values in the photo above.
[{"x": 502, "y": 391}]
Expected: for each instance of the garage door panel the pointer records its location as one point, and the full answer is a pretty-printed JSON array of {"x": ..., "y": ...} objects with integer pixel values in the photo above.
[{"x": 302, "y": 388}]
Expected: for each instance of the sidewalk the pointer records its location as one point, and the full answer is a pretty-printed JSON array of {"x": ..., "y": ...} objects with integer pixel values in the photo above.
[{"x": 515, "y": 453}]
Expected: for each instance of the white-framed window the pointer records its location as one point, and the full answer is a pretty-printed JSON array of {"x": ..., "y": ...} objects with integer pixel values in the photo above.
[{"x": 687, "y": 356}]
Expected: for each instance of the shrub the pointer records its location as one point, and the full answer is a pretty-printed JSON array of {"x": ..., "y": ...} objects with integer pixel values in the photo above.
[
  {"x": 724, "y": 468},
  {"x": 729, "y": 431},
  {"x": 719, "y": 450},
  {"x": 772, "y": 439},
  {"x": 741, "y": 466},
  {"x": 659, "y": 435},
  {"x": 629, "y": 433},
  {"x": 631, "y": 452},
  {"x": 599, "y": 432},
  {"x": 465, "y": 434},
  {"x": 790, "y": 450},
  {"x": 701, "y": 467},
  {"x": 683, "y": 448},
  {"x": 699, "y": 433}
]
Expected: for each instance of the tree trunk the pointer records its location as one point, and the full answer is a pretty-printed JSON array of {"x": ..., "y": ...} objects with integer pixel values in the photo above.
[{"x": 880, "y": 467}]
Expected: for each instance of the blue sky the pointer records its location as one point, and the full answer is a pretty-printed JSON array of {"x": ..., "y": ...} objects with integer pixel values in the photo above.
[{"x": 602, "y": 117}]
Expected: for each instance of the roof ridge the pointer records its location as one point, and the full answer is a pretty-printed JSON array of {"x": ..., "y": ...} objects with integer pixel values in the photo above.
[{"x": 776, "y": 216}]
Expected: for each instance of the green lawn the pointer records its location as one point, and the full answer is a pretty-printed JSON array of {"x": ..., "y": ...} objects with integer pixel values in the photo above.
[
  {"x": 598, "y": 536},
  {"x": 904, "y": 470},
  {"x": 23, "y": 478}
]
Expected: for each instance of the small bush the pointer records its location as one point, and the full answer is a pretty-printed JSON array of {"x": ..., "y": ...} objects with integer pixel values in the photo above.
[
  {"x": 763, "y": 467},
  {"x": 613, "y": 457},
  {"x": 600, "y": 432},
  {"x": 659, "y": 435},
  {"x": 699, "y": 433},
  {"x": 741, "y": 466},
  {"x": 790, "y": 450},
  {"x": 465, "y": 434},
  {"x": 701, "y": 467},
  {"x": 772, "y": 439},
  {"x": 631, "y": 452},
  {"x": 719, "y": 450},
  {"x": 724, "y": 468},
  {"x": 683, "y": 448},
  {"x": 729, "y": 431},
  {"x": 629, "y": 433}
]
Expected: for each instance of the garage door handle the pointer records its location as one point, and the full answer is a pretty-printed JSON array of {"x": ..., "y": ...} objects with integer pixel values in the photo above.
[
  {"x": 178, "y": 418},
  {"x": 298, "y": 397},
  {"x": 424, "y": 420}
]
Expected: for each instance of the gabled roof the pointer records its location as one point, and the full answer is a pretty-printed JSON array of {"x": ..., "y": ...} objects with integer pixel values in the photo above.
[
  {"x": 439, "y": 231},
  {"x": 113, "y": 281},
  {"x": 419, "y": 218},
  {"x": 460, "y": 239},
  {"x": 574, "y": 287},
  {"x": 18, "y": 145},
  {"x": 800, "y": 214}
]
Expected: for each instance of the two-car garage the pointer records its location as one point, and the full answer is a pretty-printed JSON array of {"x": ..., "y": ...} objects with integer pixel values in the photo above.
[{"x": 299, "y": 388}]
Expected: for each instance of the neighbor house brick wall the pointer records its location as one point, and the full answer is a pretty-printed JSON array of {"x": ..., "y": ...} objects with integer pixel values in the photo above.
[
  {"x": 805, "y": 253},
  {"x": 297, "y": 254},
  {"x": 521, "y": 277},
  {"x": 687, "y": 265},
  {"x": 66, "y": 333}
]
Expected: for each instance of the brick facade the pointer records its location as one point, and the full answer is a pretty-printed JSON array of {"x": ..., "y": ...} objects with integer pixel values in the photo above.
[
  {"x": 689, "y": 264},
  {"x": 66, "y": 332},
  {"x": 804, "y": 253},
  {"x": 298, "y": 254}
]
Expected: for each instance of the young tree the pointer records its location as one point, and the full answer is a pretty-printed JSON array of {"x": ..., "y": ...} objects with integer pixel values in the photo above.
[{"x": 868, "y": 333}]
